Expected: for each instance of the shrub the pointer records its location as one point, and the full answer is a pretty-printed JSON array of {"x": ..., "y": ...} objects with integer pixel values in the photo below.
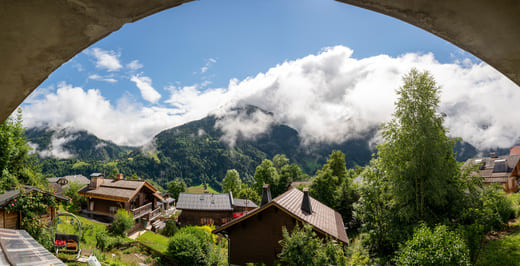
[
  {"x": 170, "y": 228},
  {"x": 205, "y": 239},
  {"x": 106, "y": 242},
  {"x": 123, "y": 221},
  {"x": 186, "y": 249},
  {"x": 437, "y": 247},
  {"x": 303, "y": 247}
]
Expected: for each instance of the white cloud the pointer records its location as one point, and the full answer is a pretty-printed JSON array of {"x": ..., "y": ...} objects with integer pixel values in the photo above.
[
  {"x": 329, "y": 96},
  {"x": 108, "y": 60},
  {"x": 134, "y": 65},
  {"x": 101, "y": 78},
  {"x": 56, "y": 148},
  {"x": 235, "y": 124},
  {"x": 145, "y": 86},
  {"x": 209, "y": 62}
]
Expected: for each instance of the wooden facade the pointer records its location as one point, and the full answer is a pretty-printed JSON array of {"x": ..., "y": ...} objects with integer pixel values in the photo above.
[
  {"x": 254, "y": 238},
  {"x": 106, "y": 196},
  {"x": 197, "y": 217}
]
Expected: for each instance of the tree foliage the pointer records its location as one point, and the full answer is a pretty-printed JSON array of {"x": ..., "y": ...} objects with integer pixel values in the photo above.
[
  {"x": 123, "y": 221},
  {"x": 231, "y": 182},
  {"x": 416, "y": 154},
  {"x": 303, "y": 247},
  {"x": 16, "y": 165},
  {"x": 439, "y": 246},
  {"x": 175, "y": 187},
  {"x": 248, "y": 193}
]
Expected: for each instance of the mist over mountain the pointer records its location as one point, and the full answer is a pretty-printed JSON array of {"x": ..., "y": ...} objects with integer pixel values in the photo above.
[{"x": 202, "y": 151}]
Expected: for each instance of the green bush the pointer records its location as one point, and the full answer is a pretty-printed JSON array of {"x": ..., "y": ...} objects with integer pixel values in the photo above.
[
  {"x": 205, "y": 239},
  {"x": 186, "y": 249},
  {"x": 497, "y": 208},
  {"x": 106, "y": 242},
  {"x": 437, "y": 247},
  {"x": 303, "y": 247},
  {"x": 170, "y": 228},
  {"x": 124, "y": 220}
]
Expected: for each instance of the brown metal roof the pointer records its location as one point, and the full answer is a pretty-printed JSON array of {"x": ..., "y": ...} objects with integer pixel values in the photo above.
[
  {"x": 323, "y": 218},
  {"x": 118, "y": 190}
]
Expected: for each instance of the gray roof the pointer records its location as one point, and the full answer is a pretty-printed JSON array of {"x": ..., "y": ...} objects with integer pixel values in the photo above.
[
  {"x": 205, "y": 201},
  {"x": 19, "y": 248},
  {"x": 13, "y": 194},
  {"x": 244, "y": 203},
  {"x": 71, "y": 178},
  {"x": 495, "y": 170}
]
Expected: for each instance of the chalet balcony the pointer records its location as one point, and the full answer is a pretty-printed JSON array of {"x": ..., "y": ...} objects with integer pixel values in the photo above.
[
  {"x": 142, "y": 211},
  {"x": 155, "y": 213}
]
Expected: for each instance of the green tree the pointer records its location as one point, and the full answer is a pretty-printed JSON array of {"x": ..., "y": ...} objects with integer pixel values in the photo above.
[
  {"x": 248, "y": 193},
  {"x": 344, "y": 198},
  {"x": 123, "y": 221},
  {"x": 329, "y": 179},
  {"x": 71, "y": 191},
  {"x": 266, "y": 174},
  {"x": 303, "y": 247},
  {"x": 175, "y": 187},
  {"x": 416, "y": 155},
  {"x": 375, "y": 211},
  {"x": 231, "y": 182},
  {"x": 279, "y": 161},
  {"x": 433, "y": 247},
  {"x": 16, "y": 165}
]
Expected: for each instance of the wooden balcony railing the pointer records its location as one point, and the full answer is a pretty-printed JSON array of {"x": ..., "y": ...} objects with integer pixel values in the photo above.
[
  {"x": 155, "y": 213},
  {"x": 142, "y": 211}
]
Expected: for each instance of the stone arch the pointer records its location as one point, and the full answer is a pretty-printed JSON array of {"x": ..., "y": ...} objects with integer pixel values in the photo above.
[{"x": 39, "y": 36}]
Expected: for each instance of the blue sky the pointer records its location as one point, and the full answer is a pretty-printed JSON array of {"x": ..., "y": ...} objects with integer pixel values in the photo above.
[{"x": 183, "y": 63}]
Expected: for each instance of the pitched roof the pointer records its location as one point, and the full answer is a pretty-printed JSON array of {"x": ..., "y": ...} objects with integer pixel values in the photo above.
[
  {"x": 118, "y": 190},
  {"x": 17, "y": 247},
  {"x": 495, "y": 170},
  {"x": 71, "y": 178},
  {"x": 244, "y": 203},
  {"x": 323, "y": 218},
  {"x": 14, "y": 193},
  {"x": 205, "y": 202}
]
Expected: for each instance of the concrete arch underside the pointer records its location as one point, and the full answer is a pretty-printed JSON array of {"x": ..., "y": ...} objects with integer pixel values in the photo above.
[{"x": 39, "y": 36}]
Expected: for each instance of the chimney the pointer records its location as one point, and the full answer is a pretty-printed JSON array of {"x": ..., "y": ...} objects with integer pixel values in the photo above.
[
  {"x": 306, "y": 202},
  {"x": 266, "y": 195},
  {"x": 119, "y": 177},
  {"x": 96, "y": 180}
]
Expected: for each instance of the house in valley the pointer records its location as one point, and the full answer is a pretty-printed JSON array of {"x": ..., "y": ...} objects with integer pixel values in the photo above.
[
  {"x": 255, "y": 237},
  {"x": 205, "y": 208},
  {"x": 61, "y": 183},
  {"x": 209, "y": 208},
  {"x": 12, "y": 219},
  {"x": 105, "y": 196},
  {"x": 502, "y": 170}
]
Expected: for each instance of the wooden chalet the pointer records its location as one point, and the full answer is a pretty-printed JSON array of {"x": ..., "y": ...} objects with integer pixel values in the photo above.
[
  {"x": 105, "y": 196},
  {"x": 209, "y": 208},
  {"x": 255, "y": 237},
  {"x": 503, "y": 170},
  {"x": 12, "y": 219}
]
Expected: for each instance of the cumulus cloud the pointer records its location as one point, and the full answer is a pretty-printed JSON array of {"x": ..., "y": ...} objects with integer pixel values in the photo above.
[
  {"x": 101, "y": 78},
  {"x": 145, "y": 86},
  {"x": 327, "y": 97},
  {"x": 241, "y": 124},
  {"x": 108, "y": 60},
  {"x": 134, "y": 65}
]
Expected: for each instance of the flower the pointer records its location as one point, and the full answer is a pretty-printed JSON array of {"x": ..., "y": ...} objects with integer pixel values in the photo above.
[
  {"x": 14, "y": 200},
  {"x": 12, "y": 204}
]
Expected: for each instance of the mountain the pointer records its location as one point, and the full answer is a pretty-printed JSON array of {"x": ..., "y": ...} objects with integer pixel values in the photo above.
[
  {"x": 201, "y": 151},
  {"x": 79, "y": 144}
]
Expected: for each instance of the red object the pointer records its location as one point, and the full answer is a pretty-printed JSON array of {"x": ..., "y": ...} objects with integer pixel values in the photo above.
[
  {"x": 60, "y": 242},
  {"x": 238, "y": 214}
]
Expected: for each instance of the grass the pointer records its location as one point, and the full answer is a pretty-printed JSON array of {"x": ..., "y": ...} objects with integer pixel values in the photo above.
[
  {"x": 89, "y": 229},
  {"x": 504, "y": 251},
  {"x": 200, "y": 189},
  {"x": 155, "y": 241}
]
